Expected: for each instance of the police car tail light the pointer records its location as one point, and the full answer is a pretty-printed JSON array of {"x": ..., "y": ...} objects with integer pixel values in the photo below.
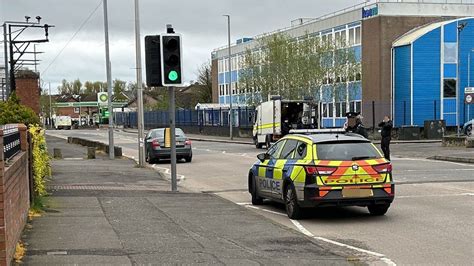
[
  {"x": 155, "y": 143},
  {"x": 187, "y": 142},
  {"x": 320, "y": 170},
  {"x": 383, "y": 168}
]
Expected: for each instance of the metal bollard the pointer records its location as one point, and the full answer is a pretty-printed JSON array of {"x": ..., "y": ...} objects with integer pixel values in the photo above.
[
  {"x": 91, "y": 152},
  {"x": 57, "y": 154}
]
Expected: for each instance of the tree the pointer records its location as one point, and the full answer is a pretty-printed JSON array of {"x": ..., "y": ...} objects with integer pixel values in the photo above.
[
  {"x": 65, "y": 88},
  {"x": 76, "y": 87},
  {"x": 295, "y": 69},
  {"x": 204, "y": 78},
  {"x": 119, "y": 87},
  {"x": 12, "y": 111}
]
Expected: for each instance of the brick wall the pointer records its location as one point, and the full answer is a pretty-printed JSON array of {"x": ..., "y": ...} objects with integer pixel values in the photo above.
[
  {"x": 14, "y": 198},
  {"x": 27, "y": 89},
  {"x": 215, "y": 82}
]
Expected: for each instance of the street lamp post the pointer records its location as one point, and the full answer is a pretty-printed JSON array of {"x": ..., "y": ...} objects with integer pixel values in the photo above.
[
  {"x": 138, "y": 63},
  {"x": 231, "y": 117},
  {"x": 109, "y": 84}
]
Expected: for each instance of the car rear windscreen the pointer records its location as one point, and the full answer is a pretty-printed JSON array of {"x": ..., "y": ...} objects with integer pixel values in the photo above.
[{"x": 346, "y": 151}]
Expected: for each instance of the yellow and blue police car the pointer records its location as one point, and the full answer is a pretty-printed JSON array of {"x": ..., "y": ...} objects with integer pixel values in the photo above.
[{"x": 329, "y": 169}]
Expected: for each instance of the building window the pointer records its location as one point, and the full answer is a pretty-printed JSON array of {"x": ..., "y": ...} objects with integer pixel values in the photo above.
[
  {"x": 351, "y": 36},
  {"x": 357, "y": 35},
  {"x": 76, "y": 110},
  {"x": 449, "y": 88},
  {"x": 450, "y": 52}
]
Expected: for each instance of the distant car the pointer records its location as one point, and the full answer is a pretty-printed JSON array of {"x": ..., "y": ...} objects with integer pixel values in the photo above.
[
  {"x": 155, "y": 146},
  {"x": 330, "y": 169},
  {"x": 467, "y": 128}
]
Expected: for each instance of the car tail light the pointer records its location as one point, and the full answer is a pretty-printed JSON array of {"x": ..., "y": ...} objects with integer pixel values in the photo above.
[
  {"x": 155, "y": 143},
  {"x": 187, "y": 142},
  {"x": 383, "y": 168},
  {"x": 320, "y": 170}
]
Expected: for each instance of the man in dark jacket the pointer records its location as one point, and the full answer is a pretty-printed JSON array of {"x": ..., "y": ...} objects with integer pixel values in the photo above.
[
  {"x": 354, "y": 124},
  {"x": 386, "y": 133}
]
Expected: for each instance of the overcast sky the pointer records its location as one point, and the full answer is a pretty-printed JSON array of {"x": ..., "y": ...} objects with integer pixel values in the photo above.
[{"x": 199, "y": 21}]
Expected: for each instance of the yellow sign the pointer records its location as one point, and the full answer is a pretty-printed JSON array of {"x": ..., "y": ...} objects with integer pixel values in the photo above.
[{"x": 167, "y": 137}]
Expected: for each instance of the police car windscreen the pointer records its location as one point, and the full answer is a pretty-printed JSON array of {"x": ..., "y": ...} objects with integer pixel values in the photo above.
[{"x": 346, "y": 151}]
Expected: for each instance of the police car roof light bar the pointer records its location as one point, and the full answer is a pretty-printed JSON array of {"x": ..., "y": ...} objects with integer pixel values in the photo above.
[{"x": 318, "y": 131}]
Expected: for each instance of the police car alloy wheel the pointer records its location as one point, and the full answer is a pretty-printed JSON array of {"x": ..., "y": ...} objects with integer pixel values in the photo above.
[
  {"x": 256, "y": 199},
  {"x": 293, "y": 210}
]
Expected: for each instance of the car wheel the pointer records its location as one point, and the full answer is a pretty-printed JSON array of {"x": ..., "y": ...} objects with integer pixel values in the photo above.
[
  {"x": 469, "y": 130},
  {"x": 188, "y": 158},
  {"x": 256, "y": 199},
  {"x": 149, "y": 159},
  {"x": 267, "y": 142},
  {"x": 293, "y": 210},
  {"x": 378, "y": 209},
  {"x": 257, "y": 145}
]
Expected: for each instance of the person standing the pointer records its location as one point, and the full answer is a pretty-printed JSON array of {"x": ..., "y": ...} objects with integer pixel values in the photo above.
[{"x": 386, "y": 133}]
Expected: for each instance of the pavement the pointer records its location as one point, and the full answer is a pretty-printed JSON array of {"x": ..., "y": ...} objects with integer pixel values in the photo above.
[
  {"x": 428, "y": 149},
  {"x": 110, "y": 212}
]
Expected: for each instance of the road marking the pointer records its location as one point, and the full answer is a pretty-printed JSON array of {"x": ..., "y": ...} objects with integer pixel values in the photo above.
[
  {"x": 303, "y": 230},
  {"x": 56, "y": 253},
  {"x": 436, "y": 196},
  {"x": 73, "y": 159},
  {"x": 265, "y": 210}
]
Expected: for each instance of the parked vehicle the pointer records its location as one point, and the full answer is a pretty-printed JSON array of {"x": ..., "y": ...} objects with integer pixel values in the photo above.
[
  {"x": 467, "y": 128},
  {"x": 63, "y": 122},
  {"x": 274, "y": 119},
  {"x": 317, "y": 170},
  {"x": 156, "y": 148}
]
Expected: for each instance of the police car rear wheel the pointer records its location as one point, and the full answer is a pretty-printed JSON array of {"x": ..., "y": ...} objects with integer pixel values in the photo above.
[
  {"x": 293, "y": 210},
  {"x": 256, "y": 199},
  {"x": 379, "y": 209}
]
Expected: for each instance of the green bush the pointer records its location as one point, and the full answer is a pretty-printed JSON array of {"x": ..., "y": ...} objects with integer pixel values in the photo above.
[{"x": 12, "y": 112}]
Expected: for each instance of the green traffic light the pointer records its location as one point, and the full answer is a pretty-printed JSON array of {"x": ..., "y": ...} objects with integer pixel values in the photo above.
[{"x": 173, "y": 75}]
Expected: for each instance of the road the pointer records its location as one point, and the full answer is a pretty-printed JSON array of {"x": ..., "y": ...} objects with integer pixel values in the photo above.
[{"x": 430, "y": 222}]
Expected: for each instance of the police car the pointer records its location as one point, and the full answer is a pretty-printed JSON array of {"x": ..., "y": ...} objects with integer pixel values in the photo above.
[{"x": 328, "y": 169}]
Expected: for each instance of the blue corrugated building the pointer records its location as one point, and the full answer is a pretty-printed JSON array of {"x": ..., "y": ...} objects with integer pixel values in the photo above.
[{"x": 430, "y": 71}]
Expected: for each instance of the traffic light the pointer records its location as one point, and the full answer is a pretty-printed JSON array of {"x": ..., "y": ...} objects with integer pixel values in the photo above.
[
  {"x": 153, "y": 61},
  {"x": 171, "y": 59}
]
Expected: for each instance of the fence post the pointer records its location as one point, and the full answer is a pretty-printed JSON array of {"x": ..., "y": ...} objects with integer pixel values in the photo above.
[
  {"x": 247, "y": 116},
  {"x": 434, "y": 109},
  {"x": 404, "y": 113}
]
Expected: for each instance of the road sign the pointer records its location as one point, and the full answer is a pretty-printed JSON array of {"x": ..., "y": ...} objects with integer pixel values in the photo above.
[
  {"x": 102, "y": 98},
  {"x": 469, "y": 95}
]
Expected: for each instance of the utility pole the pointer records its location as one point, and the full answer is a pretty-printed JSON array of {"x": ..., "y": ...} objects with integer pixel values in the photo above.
[
  {"x": 109, "y": 84},
  {"x": 50, "y": 108},
  {"x": 231, "y": 116},
  {"x": 460, "y": 27},
  {"x": 5, "y": 54},
  {"x": 138, "y": 63}
]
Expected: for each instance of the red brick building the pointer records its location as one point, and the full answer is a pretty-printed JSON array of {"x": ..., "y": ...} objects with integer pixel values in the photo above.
[{"x": 27, "y": 89}]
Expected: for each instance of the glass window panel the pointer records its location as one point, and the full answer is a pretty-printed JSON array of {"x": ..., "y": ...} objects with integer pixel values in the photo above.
[
  {"x": 357, "y": 35},
  {"x": 450, "y": 52},
  {"x": 449, "y": 88}
]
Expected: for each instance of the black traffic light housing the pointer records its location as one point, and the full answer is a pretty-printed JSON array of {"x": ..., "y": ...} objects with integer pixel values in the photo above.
[
  {"x": 153, "y": 61},
  {"x": 171, "y": 70}
]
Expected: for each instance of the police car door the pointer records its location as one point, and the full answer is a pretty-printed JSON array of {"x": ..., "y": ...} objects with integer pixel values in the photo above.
[
  {"x": 281, "y": 169},
  {"x": 266, "y": 169}
]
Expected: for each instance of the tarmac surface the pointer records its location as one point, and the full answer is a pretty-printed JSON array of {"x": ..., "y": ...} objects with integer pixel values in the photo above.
[{"x": 109, "y": 212}]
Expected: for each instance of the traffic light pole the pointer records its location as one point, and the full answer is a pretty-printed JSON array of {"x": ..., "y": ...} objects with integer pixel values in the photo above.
[{"x": 174, "y": 182}]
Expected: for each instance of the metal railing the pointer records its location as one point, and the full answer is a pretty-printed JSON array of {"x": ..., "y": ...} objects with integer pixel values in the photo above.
[{"x": 11, "y": 141}]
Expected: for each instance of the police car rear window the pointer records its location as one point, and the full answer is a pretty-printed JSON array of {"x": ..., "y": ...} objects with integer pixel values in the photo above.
[{"x": 346, "y": 151}]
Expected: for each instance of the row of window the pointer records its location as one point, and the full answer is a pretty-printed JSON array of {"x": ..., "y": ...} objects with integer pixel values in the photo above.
[
  {"x": 351, "y": 36},
  {"x": 224, "y": 89},
  {"x": 341, "y": 108}
]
